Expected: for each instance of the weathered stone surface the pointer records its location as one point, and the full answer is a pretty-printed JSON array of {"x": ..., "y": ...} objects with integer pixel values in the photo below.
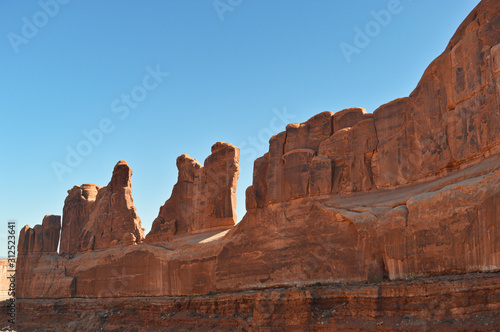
[
  {"x": 256, "y": 194},
  {"x": 96, "y": 218},
  {"x": 5, "y": 279},
  {"x": 275, "y": 171},
  {"x": 464, "y": 235},
  {"x": 410, "y": 191},
  {"x": 51, "y": 227},
  {"x": 39, "y": 272},
  {"x": 129, "y": 239},
  {"x": 320, "y": 180},
  {"x": 458, "y": 302},
  {"x": 440, "y": 227},
  {"x": 310, "y": 134},
  {"x": 453, "y": 115},
  {"x": 297, "y": 172},
  {"x": 40, "y": 238},
  {"x": 42, "y": 275},
  {"x": 26, "y": 238},
  {"x": 78, "y": 205},
  {"x": 349, "y": 117},
  {"x": 351, "y": 151},
  {"x": 203, "y": 197}
]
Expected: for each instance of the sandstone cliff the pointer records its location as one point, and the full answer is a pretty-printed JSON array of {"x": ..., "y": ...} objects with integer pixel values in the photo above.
[
  {"x": 203, "y": 197},
  {"x": 100, "y": 217},
  {"x": 4, "y": 282},
  {"x": 39, "y": 269},
  {"x": 411, "y": 190},
  {"x": 454, "y": 303}
]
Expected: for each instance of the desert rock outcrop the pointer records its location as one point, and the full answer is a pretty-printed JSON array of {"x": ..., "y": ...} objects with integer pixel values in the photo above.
[
  {"x": 203, "y": 198},
  {"x": 411, "y": 190},
  {"x": 96, "y": 218}
]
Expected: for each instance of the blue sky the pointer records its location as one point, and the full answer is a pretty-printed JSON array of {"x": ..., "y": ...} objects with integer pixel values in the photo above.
[{"x": 158, "y": 79}]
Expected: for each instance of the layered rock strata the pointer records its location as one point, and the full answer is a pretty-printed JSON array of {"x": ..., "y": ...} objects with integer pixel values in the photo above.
[
  {"x": 449, "y": 303},
  {"x": 5, "y": 273}
]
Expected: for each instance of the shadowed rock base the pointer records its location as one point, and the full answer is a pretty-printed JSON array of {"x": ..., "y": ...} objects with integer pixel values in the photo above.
[{"x": 444, "y": 303}]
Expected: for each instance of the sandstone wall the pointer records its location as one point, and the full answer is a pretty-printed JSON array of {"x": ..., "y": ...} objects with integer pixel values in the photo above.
[
  {"x": 451, "y": 303},
  {"x": 203, "y": 197},
  {"x": 414, "y": 203},
  {"x": 4, "y": 282},
  {"x": 97, "y": 218},
  {"x": 410, "y": 190},
  {"x": 451, "y": 118},
  {"x": 39, "y": 269}
]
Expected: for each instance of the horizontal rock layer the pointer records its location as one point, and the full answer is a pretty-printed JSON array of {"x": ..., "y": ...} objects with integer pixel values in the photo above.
[{"x": 447, "y": 303}]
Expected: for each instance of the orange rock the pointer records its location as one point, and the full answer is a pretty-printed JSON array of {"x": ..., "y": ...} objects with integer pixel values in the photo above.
[
  {"x": 39, "y": 272},
  {"x": 51, "y": 227},
  {"x": 296, "y": 171},
  {"x": 256, "y": 194},
  {"x": 98, "y": 217},
  {"x": 320, "y": 180},
  {"x": 275, "y": 171},
  {"x": 40, "y": 238},
  {"x": 411, "y": 190},
  {"x": 351, "y": 151},
  {"x": 203, "y": 197},
  {"x": 348, "y": 118}
]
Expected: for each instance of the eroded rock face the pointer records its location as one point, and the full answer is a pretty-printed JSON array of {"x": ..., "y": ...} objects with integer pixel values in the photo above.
[
  {"x": 418, "y": 305},
  {"x": 39, "y": 273},
  {"x": 96, "y": 218},
  {"x": 451, "y": 119},
  {"x": 40, "y": 238},
  {"x": 5, "y": 278},
  {"x": 410, "y": 190},
  {"x": 203, "y": 197}
]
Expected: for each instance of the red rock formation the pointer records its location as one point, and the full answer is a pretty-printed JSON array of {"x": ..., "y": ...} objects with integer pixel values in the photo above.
[
  {"x": 450, "y": 119},
  {"x": 41, "y": 238},
  {"x": 97, "y": 218},
  {"x": 411, "y": 190},
  {"x": 203, "y": 197},
  {"x": 4, "y": 282},
  {"x": 94, "y": 218},
  {"x": 39, "y": 272},
  {"x": 451, "y": 303},
  {"x": 300, "y": 226}
]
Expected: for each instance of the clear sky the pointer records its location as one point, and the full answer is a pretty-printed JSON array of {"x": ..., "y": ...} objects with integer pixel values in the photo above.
[{"x": 148, "y": 81}]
